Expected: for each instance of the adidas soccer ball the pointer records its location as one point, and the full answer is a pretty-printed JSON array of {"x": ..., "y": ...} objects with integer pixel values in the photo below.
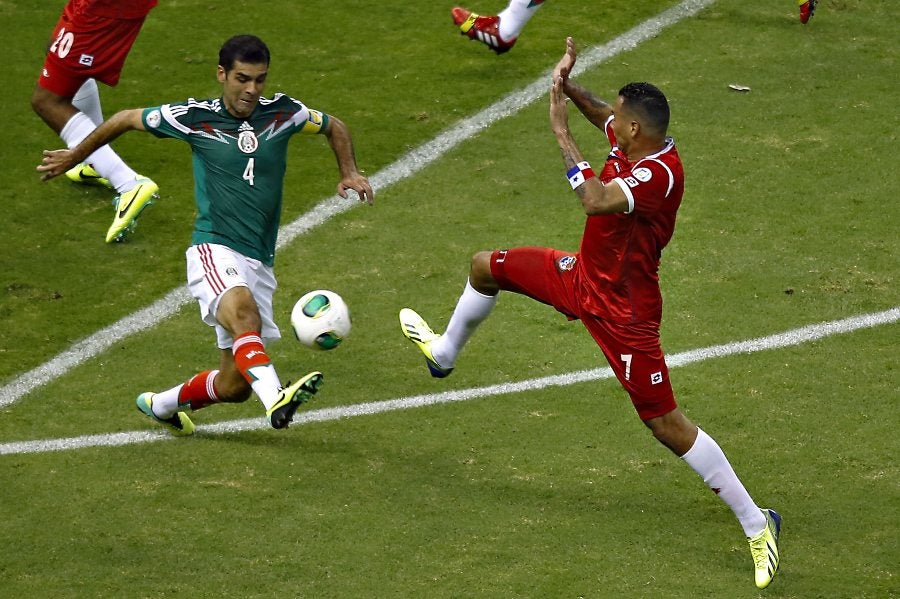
[{"x": 321, "y": 319}]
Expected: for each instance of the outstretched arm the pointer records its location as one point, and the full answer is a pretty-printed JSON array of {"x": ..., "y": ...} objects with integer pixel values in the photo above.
[
  {"x": 593, "y": 108},
  {"x": 596, "y": 198},
  {"x": 56, "y": 162},
  {"x": 342, "y": 145}
]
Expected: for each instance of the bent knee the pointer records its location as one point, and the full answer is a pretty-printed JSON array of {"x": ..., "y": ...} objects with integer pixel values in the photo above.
[{"x": 480, "y": 276}]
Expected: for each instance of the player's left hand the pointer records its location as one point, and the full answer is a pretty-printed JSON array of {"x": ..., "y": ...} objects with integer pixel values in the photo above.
[{"x": 360, "y": 185}]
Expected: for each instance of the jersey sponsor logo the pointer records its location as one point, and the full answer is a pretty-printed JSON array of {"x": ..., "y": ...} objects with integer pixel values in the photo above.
[
  {"x": 656, "y": 378},
  {"x": 315, "y": 117},
  {"x": 566, "y": 263},
  {"x": 247, "y": 142},
  {"x": 642, "y": 174},
  {"x": 154, "y": 118},
  {"x": 86, "y": 60}
]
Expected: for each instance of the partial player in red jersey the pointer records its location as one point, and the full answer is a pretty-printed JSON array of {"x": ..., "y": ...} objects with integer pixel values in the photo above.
[
  {"x": 501, "y": 31},
  {"x": 90, "y": 43},
  {"x": 611, "y": 284}
]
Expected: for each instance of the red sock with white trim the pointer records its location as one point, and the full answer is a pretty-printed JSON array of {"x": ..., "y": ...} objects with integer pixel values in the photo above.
[{"x": 254, "y": 364}]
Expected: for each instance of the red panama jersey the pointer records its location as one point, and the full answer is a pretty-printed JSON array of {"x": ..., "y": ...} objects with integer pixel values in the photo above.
[
  {"x": 618, "y": 269},
  {"x": 111, "y": 9}
]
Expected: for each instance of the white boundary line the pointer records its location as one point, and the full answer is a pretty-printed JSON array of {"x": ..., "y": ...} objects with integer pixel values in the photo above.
[
  {"x": 403, "y": 168},
  {"x": 777, "y": 341}
]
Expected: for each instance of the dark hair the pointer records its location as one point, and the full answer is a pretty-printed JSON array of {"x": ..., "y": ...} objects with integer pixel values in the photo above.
[
  {"x": 243, "y": 48},
  {"x": 648, "y": 103}
]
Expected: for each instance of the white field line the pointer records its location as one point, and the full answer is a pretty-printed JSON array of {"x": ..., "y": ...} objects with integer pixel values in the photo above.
[
  {"x": 404, "y": 167},
  {"x": 777, "y": 341}
]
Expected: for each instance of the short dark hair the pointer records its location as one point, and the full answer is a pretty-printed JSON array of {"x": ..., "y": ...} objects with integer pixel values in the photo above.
[
  {"x": 649, "y": 103},
  {"x": 243, "y": 48}
]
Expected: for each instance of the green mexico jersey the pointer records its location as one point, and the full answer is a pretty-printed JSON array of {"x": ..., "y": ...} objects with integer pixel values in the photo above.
[{"x": 239, "y": 166}]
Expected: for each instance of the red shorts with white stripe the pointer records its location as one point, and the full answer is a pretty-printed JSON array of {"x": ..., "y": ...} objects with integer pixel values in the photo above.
[
  {"x": 632, "y": 350},
  {"x": 84, "y": 47}
]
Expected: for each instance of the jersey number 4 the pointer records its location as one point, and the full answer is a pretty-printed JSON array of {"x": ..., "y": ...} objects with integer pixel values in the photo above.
[{"x": 248, "y": 172}]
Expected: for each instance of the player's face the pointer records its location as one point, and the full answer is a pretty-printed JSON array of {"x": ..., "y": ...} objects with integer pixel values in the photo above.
[
  {"x": 623, "y": 125},
  {"x": 242, "y": 86}
]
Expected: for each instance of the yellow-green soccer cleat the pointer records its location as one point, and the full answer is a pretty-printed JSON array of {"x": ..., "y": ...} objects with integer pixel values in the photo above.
[
  {"x": 764, "y": 549},
  {"x": 85, "y": 174},
  {"x": 417, "y": 330},
  {"x": 129, "y": 206},
  {"x": 291, "y": 397},
  {"x": 178, "y": 423}
]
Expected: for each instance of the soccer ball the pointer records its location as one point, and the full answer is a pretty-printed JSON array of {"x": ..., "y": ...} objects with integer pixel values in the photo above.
[{"x": 321, "y": 319}]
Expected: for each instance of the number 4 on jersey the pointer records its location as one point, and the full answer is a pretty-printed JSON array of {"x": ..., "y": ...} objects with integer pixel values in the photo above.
[{"x": 248, "y": 172}]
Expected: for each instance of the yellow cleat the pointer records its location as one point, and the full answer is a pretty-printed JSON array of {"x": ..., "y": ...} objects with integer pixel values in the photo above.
[
  {"x": 417, "y": 330},
  {"x": 178, "y": 423},
  {"x": 84, "y": 174},
  {"x": 129, "y": 206},
  {"x": 764, "y": 549},
  {"x": 292, "y": 397}
]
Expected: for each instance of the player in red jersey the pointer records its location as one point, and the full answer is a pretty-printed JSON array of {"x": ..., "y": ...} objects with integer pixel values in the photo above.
[
  {"x": 501, "y": 31},
  {"x": 90, "y": 43},
  {"x": 611, "y": 284}
]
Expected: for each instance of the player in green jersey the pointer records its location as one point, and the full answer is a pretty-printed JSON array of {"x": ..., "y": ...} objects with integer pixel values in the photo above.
[{"x": 239, "y": 144}]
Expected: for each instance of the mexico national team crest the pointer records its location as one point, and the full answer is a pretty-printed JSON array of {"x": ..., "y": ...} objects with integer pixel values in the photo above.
[
  {"x": 246, "y": 141},
  {"x": 566, "y": 263}
]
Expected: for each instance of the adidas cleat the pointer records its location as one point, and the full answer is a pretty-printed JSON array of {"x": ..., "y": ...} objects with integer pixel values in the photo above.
[
  {"x": 178, "y": 423},
  {"x": 417, "y": 330},
  {"x": 764, "y": 549},
  {"x": 807, "y": 9},
  {"x": 291, "y": 397},
  {"x": 129, "y": 206},
  {"x": 85, "y": 174},
  {"x": 483, "y": 28}
]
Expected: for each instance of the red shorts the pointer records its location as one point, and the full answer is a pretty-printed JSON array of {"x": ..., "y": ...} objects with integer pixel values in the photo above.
[
  {"x": 632, "y": 350},
  {"x": 85, "y": 47}
]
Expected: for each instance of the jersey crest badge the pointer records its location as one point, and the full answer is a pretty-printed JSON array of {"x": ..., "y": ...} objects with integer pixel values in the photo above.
[
  {"x": 566, "y": 263},
  {"x": 247, "y": 141}
]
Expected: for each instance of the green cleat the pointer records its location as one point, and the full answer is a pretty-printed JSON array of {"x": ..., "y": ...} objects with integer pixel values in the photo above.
[
  {"x": 129, "y": 206},
  {"x": 764, "y": 549},
  {"x": 417, "y": 330},
  {"x": 291, "y": 397},
  {"x": 84, "y": 174},
  {"x": 178, "y": 423}
]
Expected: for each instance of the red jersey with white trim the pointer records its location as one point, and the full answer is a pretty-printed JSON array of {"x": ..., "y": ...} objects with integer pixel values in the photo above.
[
  {"x": 111, "y": 9},
  {"x": 618, "y": 267}
]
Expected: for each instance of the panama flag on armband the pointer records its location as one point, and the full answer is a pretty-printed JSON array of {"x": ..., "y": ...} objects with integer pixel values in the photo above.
[{"x": 579, "y": 173}]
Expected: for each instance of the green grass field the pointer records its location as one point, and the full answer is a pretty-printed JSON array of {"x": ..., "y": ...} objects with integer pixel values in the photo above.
[{"x": 789, "y": 219}]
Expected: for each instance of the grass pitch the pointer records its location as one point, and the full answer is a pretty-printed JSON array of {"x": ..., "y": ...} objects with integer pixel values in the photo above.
[{"x": 788, "y": 220}]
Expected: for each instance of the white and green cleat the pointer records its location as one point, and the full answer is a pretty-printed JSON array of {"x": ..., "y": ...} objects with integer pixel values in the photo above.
[{"x": 179, "y": 422}]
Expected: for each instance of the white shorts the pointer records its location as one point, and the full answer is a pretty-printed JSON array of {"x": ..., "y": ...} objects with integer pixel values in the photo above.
[{"x": 213, "y": 269}]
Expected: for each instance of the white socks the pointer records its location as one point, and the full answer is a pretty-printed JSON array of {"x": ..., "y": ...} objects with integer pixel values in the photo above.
[
  {"x": 708, "y": 460},
  {"x": 87, "y": 100},
  {"x": 514, "y": 17},
  {"x": 266, "y": 384},
  {"x": 104, "y": 160},
  {"x": 471, "y": 309}
]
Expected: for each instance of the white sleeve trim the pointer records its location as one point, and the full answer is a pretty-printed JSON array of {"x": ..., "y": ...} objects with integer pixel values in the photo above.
[{"x": 628, "y": 194}]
